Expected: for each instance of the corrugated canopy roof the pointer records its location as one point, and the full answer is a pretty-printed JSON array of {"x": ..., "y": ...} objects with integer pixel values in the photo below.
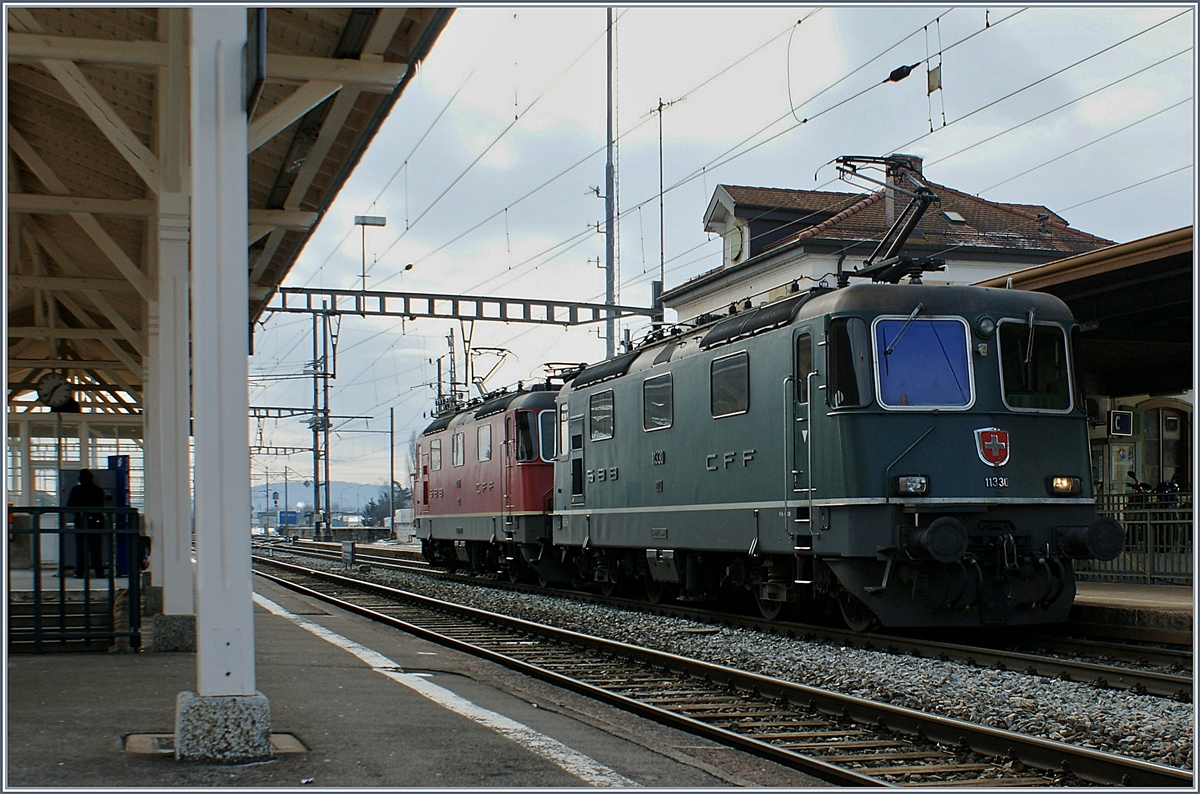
[{"x": 87, "y": 95}]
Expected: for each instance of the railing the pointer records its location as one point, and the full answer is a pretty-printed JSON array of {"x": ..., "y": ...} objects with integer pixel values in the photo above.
[
  {"x": 1159, "y": 540},
  {"x": 47, "y": 606}
]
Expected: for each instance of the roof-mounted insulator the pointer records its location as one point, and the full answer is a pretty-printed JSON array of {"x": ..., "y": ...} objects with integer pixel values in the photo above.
[{"x": 900, "y": 72}]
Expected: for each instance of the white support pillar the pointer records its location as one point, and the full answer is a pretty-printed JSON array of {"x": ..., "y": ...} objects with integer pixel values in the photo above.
[
  {"x": 168, "y": 386},
  {"x": 226, "y": 719}
]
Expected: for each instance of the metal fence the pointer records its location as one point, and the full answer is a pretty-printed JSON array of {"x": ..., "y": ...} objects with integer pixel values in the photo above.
[
  {"x": 49, "y": 604},
  {"x": 1159, "y": 540}
]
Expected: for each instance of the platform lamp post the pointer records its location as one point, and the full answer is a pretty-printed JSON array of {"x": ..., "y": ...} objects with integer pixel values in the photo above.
[{"x": 364, "y": 221}]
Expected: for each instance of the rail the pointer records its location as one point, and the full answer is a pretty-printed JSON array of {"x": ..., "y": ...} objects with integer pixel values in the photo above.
[
  {"x": 1159, "y": 540},
  {"x": 48, "y": 605}
]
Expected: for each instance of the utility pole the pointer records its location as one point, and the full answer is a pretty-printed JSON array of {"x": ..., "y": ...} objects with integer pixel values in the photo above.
[
  {"x": 392, "y": 469},
  {"x": 609, "y": 210},
  {"x": 317, "y": 366},
  {"x": 325, "y": 373}
]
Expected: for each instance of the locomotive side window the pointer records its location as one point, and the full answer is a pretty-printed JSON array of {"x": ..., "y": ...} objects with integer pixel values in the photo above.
[
  {"x": 600, "y": 409},
  {"x": 562, "y": 428},
  {"x": 435, "y": 454},
  {"x": 546, "y": 434},
  {"x": 729, "y": 385},
  {"x": 483, "y": 442},
  {"x": 658, "y": 410},
  {"x": 1035, "y": 374},
  {"x": 457, "y": 450},
  {"x": 923, "y": 363},
  {"x": 849, "y": 363},
  {"x": 804, "y": 366},
  {"x": 526, "y": 437}
]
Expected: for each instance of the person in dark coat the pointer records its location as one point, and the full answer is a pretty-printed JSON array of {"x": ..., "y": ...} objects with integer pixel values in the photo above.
[{"x": 88, "y": 544}]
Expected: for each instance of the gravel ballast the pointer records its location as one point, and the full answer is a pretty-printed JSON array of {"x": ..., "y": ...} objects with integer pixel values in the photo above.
[{"x": 1154, "y": 729}]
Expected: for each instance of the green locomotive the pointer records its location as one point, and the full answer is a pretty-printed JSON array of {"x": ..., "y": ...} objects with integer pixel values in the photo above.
[{"x": 915, "y": 455}]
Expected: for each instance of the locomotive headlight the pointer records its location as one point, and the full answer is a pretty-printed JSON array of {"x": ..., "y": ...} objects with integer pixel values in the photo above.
[
  {"x": 1064, "y": 486},
  {"x": 912, "y": 485},
  {"x": 985, "y": 326}
]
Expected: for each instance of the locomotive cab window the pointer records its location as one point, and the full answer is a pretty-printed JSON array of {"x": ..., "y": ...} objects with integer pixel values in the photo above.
[
  {"x": 804, "y": 366},
  {"x": 546, "y": 434},
  {"x": 848, "y": 363},
  {"x": 600, "y": 419},
  {"x": 729, "y": 385},
  {"x": 923, "y": 362},
  {"x": 658, "y": 411},
  {"x": 527, "y": 448},
  {"x": 457, "y": 449},
  {"x": 435, "y": 454},
  {"x": 1034, "y": 368},
  {"x": 483, "y": 442}
]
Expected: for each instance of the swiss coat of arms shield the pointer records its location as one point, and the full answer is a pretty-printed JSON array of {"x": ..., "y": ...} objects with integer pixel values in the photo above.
[{"x": 992, "y": 445}]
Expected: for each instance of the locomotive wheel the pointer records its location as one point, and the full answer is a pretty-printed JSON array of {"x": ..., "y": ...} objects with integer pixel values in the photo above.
[
  {"x": 608, "y": 588},
  {"x": 770, "y": 610},
  {"x": 656, "y": 592},
  {"x": 855, "y": 613}
]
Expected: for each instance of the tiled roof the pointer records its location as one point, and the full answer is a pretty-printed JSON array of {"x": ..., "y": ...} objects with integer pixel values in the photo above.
[{"x": 855, "y": 218}]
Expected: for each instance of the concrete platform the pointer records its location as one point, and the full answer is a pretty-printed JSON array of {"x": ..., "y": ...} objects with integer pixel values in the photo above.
[
  {"x": 401, "y": 713},
  {"x": 1151, "y": 613}
]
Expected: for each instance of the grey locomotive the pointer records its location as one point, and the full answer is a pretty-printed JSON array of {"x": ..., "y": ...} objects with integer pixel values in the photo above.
[{"x": 906, "y": 455}]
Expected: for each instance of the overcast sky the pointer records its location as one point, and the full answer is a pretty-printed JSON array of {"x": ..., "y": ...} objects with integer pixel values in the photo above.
[{"x": 496, "y": 196}]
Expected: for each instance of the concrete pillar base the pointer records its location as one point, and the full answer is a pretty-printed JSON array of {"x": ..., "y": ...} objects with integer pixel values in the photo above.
[
  {"x": 172, "y": 634},
  {"x": 228, "y": 729}
]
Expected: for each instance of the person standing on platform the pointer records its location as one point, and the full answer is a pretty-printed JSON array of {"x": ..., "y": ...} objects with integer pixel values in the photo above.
[{"x": 88, "y": 544}]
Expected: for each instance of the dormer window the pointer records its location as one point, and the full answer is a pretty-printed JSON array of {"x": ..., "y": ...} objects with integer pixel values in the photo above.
[
  {"x": 735, "y": 243},
  {"x": 953, "y": 216}
]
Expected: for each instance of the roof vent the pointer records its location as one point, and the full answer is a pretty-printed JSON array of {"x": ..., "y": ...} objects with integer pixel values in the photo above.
[{"x": 953, "y": 216}]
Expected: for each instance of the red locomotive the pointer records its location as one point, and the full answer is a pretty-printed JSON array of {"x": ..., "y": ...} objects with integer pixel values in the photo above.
[{"x": 485, "y": 483}]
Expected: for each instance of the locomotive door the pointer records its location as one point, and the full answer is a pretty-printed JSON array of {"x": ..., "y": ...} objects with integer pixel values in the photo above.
[
  {"x": 575, "y": 427},
  {"x": 801, "y": 479},
  {"x": 506, "y": 473},
  {"x": 801, "y": 413}
]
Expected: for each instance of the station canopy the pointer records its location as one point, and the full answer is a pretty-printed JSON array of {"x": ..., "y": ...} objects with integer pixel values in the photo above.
[{"x": 87, "y": 141}]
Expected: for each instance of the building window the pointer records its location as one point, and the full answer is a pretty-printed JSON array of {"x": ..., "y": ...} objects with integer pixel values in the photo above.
[
  {"x": 658, "y": 410},
  {"x": 435, "y": 454},
  {"x": 483, "y": 442},
  {"x": 457, "y": 445},
  {"x": 729, "y": 385},
  {"x": 601, "y": 415}
]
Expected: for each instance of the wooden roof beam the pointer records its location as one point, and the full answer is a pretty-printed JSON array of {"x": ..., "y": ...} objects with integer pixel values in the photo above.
[
  {"x": 283, "y": 115},
  {"x": 377, "y": 76},
  {"x": 26, "y": 47},
  {"x": 68, "y": 284}
]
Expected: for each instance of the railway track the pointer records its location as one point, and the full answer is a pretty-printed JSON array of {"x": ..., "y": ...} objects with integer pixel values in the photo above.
[
  {"x": 997, "y": 655},
  {"x": 839, "y": 738}
]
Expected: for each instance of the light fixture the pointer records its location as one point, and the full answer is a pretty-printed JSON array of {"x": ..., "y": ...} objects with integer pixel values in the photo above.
[
  {"x": 912, "y": 484},
  {"x": 1063, "y": 486}
]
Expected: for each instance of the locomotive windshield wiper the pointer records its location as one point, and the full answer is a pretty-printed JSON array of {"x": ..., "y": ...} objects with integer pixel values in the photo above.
[
  {"x": 1029, "y": 344},
  {"x": 888, "y": 351}
]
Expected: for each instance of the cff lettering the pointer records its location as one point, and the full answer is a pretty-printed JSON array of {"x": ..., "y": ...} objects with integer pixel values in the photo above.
[{"x": 726, "y": 458}]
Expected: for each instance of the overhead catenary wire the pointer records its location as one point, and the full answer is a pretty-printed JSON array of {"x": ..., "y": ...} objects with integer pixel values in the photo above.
[{"x": 1014, "y": 177}]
